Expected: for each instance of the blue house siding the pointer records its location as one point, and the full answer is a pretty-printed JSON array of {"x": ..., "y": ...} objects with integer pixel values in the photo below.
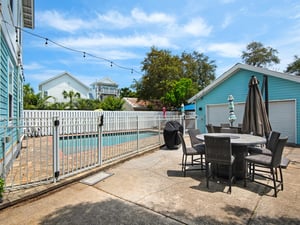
[
  {"x": 235, "y": 82},
  {"x": 9, "y": 126},
  {"x": 14, "y": 15},
  {"x": 285, "y": 89},
  {"x": 235, "y": 85}
]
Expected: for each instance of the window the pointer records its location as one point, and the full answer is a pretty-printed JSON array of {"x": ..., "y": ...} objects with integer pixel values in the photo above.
[
  {"x": 11, "y": 3},
  {"x": 10, "y": 90}
]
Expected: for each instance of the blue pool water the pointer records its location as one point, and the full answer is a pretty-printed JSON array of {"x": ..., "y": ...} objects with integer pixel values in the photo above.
[{"x": 107, "y": 139}]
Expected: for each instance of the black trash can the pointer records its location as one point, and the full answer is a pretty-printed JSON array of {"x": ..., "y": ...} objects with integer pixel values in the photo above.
[{"x": 170, "y": 134}]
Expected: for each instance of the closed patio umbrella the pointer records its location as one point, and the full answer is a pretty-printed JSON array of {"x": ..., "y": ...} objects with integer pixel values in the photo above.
[
  {"x": 255, "y": 118},
  {"x": 232, "y": 116}
]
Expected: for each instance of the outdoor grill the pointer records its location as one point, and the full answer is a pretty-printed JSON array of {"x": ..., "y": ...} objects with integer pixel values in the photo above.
[{"x": 171, "y": 138}]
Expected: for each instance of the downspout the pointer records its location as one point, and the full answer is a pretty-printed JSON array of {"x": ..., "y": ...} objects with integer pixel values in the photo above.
[{"x": 266, "y": 93}]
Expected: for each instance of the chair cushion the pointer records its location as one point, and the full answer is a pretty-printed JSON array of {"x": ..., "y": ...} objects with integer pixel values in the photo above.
[
  {"x": 200, "y": 148},
  {"x": 258, "y": 150},
  {"x": 259, "y": 159},
  {"x": 191, "y": 151}
]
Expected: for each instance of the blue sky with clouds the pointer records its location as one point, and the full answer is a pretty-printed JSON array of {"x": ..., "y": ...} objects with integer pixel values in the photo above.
[{"x": 124, "y": 31}]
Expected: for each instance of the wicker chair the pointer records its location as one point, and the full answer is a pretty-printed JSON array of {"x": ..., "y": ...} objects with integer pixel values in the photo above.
[
  {"x": 269, "y": 147},
  {"x": 227, "y": 125},
  {"x": 271, "y": 162},
  {"x": 188, "y": 151},
  {"x": 217, "y": 129},
  {"x": 218, "y": 151},
  {"x": 210, "y": 128},
  {"x": 229, "y": 130},
  {"x": 197, "y": 144}
]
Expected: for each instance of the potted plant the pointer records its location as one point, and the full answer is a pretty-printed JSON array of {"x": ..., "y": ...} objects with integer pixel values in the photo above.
[{"x": 1, "y": 189}]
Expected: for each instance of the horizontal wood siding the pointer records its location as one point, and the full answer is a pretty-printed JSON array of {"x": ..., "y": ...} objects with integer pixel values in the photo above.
[
  {"x": 285, "y": 89},
  {"x": 9, "y": 128},
  {"x": 237, "y": 85}
]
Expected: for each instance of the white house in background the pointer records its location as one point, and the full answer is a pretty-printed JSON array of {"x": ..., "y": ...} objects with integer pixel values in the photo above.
[
  {"x": 104, "y": 88},
  {"x": 55, "y": 86}
]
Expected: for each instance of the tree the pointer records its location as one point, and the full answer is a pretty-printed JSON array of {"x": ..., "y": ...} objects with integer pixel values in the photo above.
[
  {"x": 260, "y": 56},
  {"x": 29, "y": 99},
  {"x": 112, "y": 103},
  {"x": 88, "y": 104},
  {"x": 199, "y": 68},
  {"x": 72, "y": 98},
  {"x": 181, "y": 91},
  {"x": 127, "y": 92},
  {"x": 42, "y": 101},
  {"x": 34, "y": 101},
  {"x": 163, "y": 70},
  {"x": 294, "y": 67},
  {"x": 160, "y": 67}
]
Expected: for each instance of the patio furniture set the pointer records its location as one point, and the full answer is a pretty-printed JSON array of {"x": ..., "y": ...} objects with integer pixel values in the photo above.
[{"x": 235, "y": 156}]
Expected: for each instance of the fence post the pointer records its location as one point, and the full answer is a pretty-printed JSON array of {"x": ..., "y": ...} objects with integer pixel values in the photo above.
[
  {"x": 183, "y": 123},
  {"x": 55, "y": 148},
  {"x": 137, "y": 132},
  {"x": 159, "y": 127},
  {"x": 3, "y": 157},
  {"x": 100, "y": 125},
  {"x": 196, "y": 122}
]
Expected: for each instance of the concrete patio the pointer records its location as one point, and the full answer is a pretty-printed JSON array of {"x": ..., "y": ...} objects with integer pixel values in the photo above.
[{"x": 151, "y": 189}]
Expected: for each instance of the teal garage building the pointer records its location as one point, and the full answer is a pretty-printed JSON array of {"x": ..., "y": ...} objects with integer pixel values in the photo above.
[{"x": 282, "y": 91}]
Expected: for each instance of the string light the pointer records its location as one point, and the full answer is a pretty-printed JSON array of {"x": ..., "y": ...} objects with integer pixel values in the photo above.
[
  {"x": 17, "y": 35},
  {"x": 47, "y": 40}
]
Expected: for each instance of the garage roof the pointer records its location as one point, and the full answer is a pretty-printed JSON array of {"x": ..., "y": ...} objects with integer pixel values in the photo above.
[{"x": 238, "y": 67}]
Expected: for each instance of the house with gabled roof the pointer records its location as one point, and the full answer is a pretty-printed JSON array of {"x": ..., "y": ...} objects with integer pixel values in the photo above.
[
  {"x": 282, "y": 92},
  {"x": 104, "y": 87},
  {"x": 56, "y": 85},
  {"x": 134, "y": 104},
  {"x": 14, "y": 16}
]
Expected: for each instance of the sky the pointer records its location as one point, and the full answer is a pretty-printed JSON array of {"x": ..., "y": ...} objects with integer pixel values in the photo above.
[{"x": 93, "y": 39}]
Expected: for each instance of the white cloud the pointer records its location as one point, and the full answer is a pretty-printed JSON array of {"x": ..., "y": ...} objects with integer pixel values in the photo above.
[
  {"x": 230, "y": 50},
  {"x": 33, "y": 66},
  {"x": 141, "y": 17},
  {"x": 103, "y": 41},
  {"x": 137, "y": 16},
  {"x": 227, "y": 21},
  {"x": 115, "y": 18},
  {"x": 227, "y": 1},
  {"x": 197, "y": 27},
  {"x": 60, "y": 22}
]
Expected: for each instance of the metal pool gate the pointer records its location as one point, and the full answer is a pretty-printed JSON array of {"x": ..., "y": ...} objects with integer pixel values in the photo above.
[{"x": 54, "y": 147}]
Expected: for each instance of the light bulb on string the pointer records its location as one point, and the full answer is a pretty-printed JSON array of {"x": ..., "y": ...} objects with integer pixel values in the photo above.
[
  {"x": 17, "y": 34},
  {"x": 18, "y": 31}
]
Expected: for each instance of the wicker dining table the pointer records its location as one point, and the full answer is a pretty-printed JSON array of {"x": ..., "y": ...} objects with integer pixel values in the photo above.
[{"x": 239, "y": 144}]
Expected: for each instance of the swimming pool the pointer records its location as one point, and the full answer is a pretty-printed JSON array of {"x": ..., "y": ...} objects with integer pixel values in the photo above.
[{"x": 110, "y": 139}]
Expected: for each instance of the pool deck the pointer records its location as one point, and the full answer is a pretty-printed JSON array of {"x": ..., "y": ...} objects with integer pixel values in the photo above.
[{"x": 151, "y": 189}]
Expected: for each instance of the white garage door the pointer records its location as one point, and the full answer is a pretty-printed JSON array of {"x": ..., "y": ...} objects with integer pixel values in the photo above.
[{"x": 282, "y": 116}]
